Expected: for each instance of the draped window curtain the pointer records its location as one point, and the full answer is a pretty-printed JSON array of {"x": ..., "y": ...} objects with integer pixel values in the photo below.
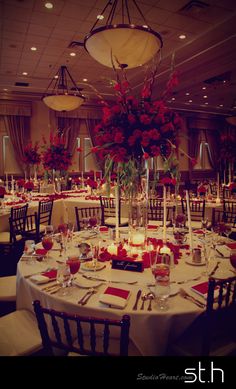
[
  {"x": 71, "y": 129},
  {"x": 91, "y": 124},
  {"x": 194, "y": 142},
  {"x": 18, "y": 130},
  {"x": 213, "y": 139}
]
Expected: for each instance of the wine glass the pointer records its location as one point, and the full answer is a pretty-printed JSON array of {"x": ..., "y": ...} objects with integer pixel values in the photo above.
[
  {"x": 64, "y": 278},
  {"x": 85, "y": 223},
  {"x": 29, "y": 249},
  {"x": 96, "y": 249},
  {"x": 204, "y": 225},
  {"x": 161, "y": 273},
  {"x": 74, "y": 264},
  {"x": 47, "y": 243}
]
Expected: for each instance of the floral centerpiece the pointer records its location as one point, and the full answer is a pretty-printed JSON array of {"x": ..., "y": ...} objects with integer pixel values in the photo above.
[
  {"x": 135, "y": 130},
  {"x": 32, "y": 157},
  {"x": 29, "y": 186},
  {"x": 31, "y": 154},
  {"x": 55, "y": 157}
]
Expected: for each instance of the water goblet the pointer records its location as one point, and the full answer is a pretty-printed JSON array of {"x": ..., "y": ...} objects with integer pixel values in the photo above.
[
  {"x": 74, "y": 264},
  {"x": 64, "y": 278},
  {"x": 204, "y": 225},
  {"x": 96, "y": 249},
  {"x": 47, "y": 243},
  {"x": 161, "y": 273},
  {"x": 29, "y": 249}
]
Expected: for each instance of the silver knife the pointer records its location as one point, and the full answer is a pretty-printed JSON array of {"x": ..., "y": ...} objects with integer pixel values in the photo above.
[{"x": 137, "y": 300}]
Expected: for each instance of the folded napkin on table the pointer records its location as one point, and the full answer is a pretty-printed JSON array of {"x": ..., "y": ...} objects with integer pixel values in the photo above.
[
  {"x": 41, "y": 251},
  {"x": 224, "y": 250},
  {"x": 198, "y": 232},
  {"x": 152, "y": 227},
  {"x": 103, "y": 229},
  {"x": 231, "y": 246},
  {"x": 202, "y": 290},
  {"x": 50, "y": 274},
  {"x": 115, "y": 297},
  {"x": 44, "y": 277}
]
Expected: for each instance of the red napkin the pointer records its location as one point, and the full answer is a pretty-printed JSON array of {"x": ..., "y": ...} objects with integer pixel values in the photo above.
[
  {"x": 50, "y": 274},
  {"x": 41, "y": 251},
  {"x": 152, "y": 227},
  {"x": 103, "y": 229},
  {"x": 117, "y": 292},
  {"x": 198, "y": 232},
  {"x": 231, "y": 246}
]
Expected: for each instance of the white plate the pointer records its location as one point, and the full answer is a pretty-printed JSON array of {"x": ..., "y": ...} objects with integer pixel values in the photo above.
[
  {"x": 174, "y": 289},
  {"x": 90, "y": 267},
  {"x": 190, "y": 262},
  {"x": 86, "y": 284}
]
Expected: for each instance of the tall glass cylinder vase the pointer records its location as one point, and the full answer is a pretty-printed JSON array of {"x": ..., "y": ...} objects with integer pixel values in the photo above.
[{"x": 138, "y": 209}]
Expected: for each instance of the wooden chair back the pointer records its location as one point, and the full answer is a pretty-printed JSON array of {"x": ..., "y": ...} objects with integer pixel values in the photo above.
[{"x": 67, "y": 332}]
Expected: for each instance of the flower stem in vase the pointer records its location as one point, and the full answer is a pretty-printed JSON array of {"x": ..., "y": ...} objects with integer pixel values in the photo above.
[{"x": 165, "y": 213}]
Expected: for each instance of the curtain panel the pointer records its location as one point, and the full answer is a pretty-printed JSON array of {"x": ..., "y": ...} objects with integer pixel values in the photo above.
[
  {"x": 18, "y": 130},
  {"x": 91, "y": 124},
  {"x": 71, "y": 130}
]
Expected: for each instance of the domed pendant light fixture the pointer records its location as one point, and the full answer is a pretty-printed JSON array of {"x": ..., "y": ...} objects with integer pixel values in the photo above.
[
  {"x": 65, "y": 95},
  {"x": 120, "y": 43}
]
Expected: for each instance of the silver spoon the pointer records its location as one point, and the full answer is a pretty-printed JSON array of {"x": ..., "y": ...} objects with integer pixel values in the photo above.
[
  {"x": 143, "y": 298},
  {"x": 150, "y": 296}
]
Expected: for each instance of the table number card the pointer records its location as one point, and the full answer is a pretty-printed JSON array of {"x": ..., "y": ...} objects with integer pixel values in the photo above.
[{"x": 120, "y": 264}]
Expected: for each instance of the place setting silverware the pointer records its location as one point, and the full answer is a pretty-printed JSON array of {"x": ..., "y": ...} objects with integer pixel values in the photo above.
[
  {"x": 135, "y": 307},
  {"x": 86, "y": 297},
  {"x": 187, "y": 296}
]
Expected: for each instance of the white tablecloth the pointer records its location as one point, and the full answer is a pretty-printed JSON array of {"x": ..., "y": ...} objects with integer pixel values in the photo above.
[{"x": 150, "y": 331}]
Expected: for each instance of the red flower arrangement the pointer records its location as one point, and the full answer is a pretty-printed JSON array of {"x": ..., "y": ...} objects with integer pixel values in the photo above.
[
  {"x": 56, "y": 156},
  {"x": 21, "y": 183},
  {"x": 31, "y": 154},
  {"x": 132, "y": 131},
  {"x": 29, "y": 185}
]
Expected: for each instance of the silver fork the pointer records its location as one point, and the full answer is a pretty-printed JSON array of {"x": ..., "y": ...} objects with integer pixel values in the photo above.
[{"x": 85, "y": 300}]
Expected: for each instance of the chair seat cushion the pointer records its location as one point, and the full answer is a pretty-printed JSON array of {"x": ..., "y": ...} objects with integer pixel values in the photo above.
[
  {"x": 5, "y": 237},
  {"x": 111, "y": 221},
  {"x": 8, "y": 288},
  {"x": 19, "y": 334}
]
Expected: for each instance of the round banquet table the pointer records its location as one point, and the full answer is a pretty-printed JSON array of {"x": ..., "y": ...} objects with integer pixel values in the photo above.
[{"x": 150, "y": 331}]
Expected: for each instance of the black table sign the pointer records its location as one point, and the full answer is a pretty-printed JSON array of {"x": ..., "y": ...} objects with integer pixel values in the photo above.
[{"x": 127, "y": 265}]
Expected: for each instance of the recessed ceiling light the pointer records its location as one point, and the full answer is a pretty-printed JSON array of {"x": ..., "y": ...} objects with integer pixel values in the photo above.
[
  {"x": 205, "y": 97},
  {"x": 100, "y": 17},
  {"x": 56, "y": 76},
  {"x": 190, "y": 101},
  {"x": 24, "y": 74},
  {"x": 48, "y": 5},
  {"x": 173, "y": 99},
  {"x": 85, "y": 79},
  {"x": 221, "y": 105},
  {"x": 72, "y": 54},
  {"x": 206, "y": 103},
  {"x": 187, "y": 93},
  {"x": 224, "y": 81},
  {"x": 145, "y": 26},
  {"x": 182, "y": 36},
  {"x": 204, "y": 87},
  {"x": 5, "y": 89},
  {"x": 33, "y": 48}
]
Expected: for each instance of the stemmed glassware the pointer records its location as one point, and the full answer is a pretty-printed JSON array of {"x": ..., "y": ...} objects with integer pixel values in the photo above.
[
  {"x": 64, "y": 278},
  {"x": 161, "y": 271},
  {"x": 74, "y": 264},
  {"x": 96, "y": 249},
  {"x": 47, "y": 242}
]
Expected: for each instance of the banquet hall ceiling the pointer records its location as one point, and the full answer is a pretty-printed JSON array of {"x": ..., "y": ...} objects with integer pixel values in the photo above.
[{"x": 206, "y": 58}]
